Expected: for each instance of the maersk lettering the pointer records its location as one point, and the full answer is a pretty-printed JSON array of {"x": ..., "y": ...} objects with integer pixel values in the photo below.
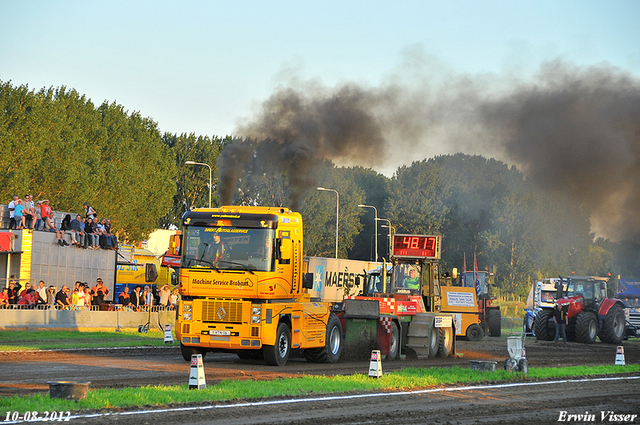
[
  {"x": 339, "y": 279},
  {"x": 237, "y": 282}
]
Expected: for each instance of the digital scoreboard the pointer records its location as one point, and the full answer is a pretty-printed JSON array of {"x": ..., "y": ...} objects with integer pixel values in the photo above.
[{"x": 416, "y": 246}]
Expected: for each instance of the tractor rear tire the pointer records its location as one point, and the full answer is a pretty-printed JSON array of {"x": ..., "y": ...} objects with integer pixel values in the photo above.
[
  {"x": 474, "y": 332},
  {"x": 495, "y": 322},
  {"x": 446, "y": 342},
  {"x": 434, "y": 341},
  {"x": 586, "y": 328},
  {"x": 614, "y": 323},
  {"x": 278, "y": 354},
  {"x": 541, "y": 325}
]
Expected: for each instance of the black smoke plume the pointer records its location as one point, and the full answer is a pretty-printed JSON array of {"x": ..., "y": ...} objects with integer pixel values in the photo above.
[{"x": 570, "y": 129}]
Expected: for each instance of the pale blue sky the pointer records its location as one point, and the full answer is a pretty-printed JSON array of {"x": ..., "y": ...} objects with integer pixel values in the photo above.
[{"x": 203, "y": 66}]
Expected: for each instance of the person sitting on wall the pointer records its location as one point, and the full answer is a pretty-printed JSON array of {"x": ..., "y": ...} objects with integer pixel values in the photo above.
[{"x": 14, "y": 291}]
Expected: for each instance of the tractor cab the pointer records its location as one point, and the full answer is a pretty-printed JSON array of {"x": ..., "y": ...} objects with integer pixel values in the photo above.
[{"x": 589, "y": 291}]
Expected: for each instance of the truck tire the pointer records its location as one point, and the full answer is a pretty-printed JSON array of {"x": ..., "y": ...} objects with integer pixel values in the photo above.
[
  {"x": 434, "y": 342},
  {"x": 541, "y": 325},
  {"x": 474, "y": 332},
  {"x": 278, "y": 354},
  {"x": 446, "y": 342},
  {"x": 332, "y": 349},
  {"x": 495, "y": 322},
  {"x": 586, "y": 328},
  {"x": 614, "y": 323},
  {"x": 187, "y": 351}
]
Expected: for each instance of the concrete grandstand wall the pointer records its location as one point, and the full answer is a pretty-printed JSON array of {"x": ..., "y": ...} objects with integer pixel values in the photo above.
[{"x": 51, "y": 319}]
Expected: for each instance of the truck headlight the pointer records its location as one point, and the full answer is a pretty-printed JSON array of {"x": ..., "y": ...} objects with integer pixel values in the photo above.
[
  {"x": 255, "y": 319},
  {"x": 186, "y": 316},
  {"x": 187, "y": 307},
  {"x": 256, "y": 312}
]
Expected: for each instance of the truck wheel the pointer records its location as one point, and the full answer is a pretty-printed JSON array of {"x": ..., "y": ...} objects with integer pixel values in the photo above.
[
  {"x": 614, "y": 321},
  {"x": 474, "y": 332},
  {"x": 434, "y": 342},
  {"x": 446, "y": 342},
  {"x": 278, "y": 354},
  {"x": 495, "y": 322},
  {"x": 187, "y": 351},
  {"x": 586, "y": 328},
  {"x": 333, "y": 344},
  {"x": 394, "y": 345},
  {"x": 541, "y": 325}
]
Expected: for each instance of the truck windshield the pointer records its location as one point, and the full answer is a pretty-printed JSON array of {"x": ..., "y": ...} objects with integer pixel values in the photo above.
[
  {"x": 406, "y": 277},
  {"x": 228, "y": 248}
]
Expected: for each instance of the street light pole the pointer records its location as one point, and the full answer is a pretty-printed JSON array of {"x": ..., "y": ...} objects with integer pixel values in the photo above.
[
  {"x": 206, "y": 165},
  {"x": 337, "y": 212},
  {"x": 390, "y": 227},
  {"x": 375, "y": 225}
]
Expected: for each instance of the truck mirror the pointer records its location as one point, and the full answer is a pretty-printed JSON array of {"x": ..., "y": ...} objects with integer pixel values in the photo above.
[
  {"x": 307, "y": 280},
  {"x": 286, "y": 247},
  {"x": 150, "y": 272}
]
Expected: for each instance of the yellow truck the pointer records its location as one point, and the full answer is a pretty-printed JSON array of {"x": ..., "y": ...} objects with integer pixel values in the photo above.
[{"x": 243, "y": 289}]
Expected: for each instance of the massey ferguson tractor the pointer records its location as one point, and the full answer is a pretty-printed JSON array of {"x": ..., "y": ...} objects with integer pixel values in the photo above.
[{"x": 589, "y": 310}]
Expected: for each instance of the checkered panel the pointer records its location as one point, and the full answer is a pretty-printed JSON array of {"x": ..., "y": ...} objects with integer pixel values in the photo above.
[{"x": 386, "y": 321}]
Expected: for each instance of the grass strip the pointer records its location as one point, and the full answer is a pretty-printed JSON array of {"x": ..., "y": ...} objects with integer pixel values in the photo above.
[
  {"x": 410, "y": 378},
  {"x": 48, "y": 340}
]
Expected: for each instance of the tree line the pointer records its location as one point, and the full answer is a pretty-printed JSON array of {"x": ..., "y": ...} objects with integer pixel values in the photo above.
[{"x": 56, "y": 144}]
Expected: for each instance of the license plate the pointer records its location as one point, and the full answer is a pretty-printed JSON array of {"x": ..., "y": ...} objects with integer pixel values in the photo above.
[{"x": 219, "y": 333}]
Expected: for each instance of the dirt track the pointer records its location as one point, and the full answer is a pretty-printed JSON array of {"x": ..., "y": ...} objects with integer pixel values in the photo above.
[{"x": 29, "y": 372}]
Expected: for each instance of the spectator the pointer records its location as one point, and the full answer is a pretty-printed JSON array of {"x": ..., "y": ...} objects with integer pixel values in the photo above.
[
  {"x": 14, "y": 290},
  {"x": 51, "y": 296},
  {"x": 77, "y": 225},
  {"x": 27, "y": 286},
  {"x": 165, "y": 295},
  {"x": 12, "y": 207},
  {"x": 62, "y": 298},
  {"x": 90, "y": 211},
  {"x": 102, "y": 233},
  {"x": 125, "y": 298},
  {"x": 29, "y": 212},
  {"x": 38, "y": 215},
  {"x": 18, "y": 214},
  {"x": 77, "y": 299},
  {"x": 88, "y": 298},
  {"x": 147, "y": 297},
  {"x": 99, "y": 291},
  {"x": 30, "y": 299},
  {"x": 114, "y": 238},
  {"x": 91, "y": 232},
  {"x": 136, "y": 300},
  {"x": 4, "y": 298},
  {"x": 65, "y": 226},
  {"x": 561, "y": 320},
  {"x": 175, "y": 297},
  {"x": 42, "y": 291},
  {"x": 49, "y": 226}
]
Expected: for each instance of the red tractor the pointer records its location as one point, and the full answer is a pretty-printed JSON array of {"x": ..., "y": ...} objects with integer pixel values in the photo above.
[{"x": 589, "y": 310}]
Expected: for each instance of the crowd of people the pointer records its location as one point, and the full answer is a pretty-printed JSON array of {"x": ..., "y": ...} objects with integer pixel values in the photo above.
[
  {"x": 85, "y": 232},
  {"x": 82, "y": 297}
]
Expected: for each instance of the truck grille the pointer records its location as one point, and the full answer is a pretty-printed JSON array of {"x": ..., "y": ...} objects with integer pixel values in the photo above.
[{"x": 222, "y": 311}]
